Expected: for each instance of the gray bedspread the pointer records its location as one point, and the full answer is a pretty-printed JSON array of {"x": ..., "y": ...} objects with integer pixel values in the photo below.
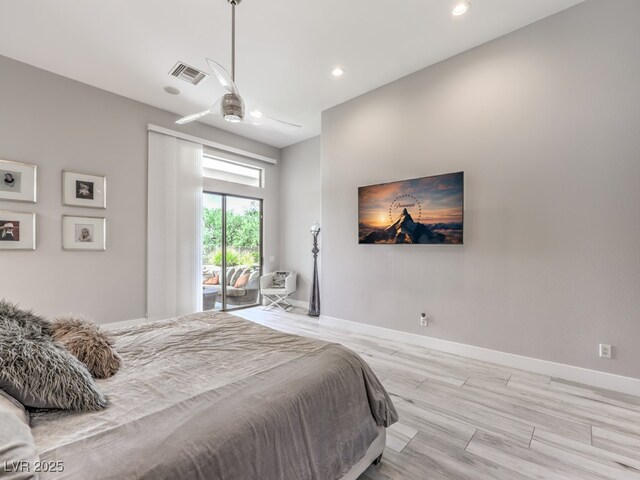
[{"x": 212, "y": 396}]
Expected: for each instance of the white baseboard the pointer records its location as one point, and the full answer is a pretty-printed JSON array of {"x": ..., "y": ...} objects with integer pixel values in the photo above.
[{"x": 593, "y": 378}]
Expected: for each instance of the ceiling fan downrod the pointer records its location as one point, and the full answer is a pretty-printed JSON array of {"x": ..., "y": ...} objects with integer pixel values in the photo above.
[
  {"x": 233, "y": 3},
  {"x": 232, "y": 106}
]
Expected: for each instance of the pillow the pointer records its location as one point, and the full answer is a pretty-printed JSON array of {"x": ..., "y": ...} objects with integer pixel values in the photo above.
[
  {"x": 237, "y": 275},
  {"x": 254, "y": 276},
  {"x": 242, "y": 281},
  {"x": 17, "y": 447},
  {"x": 230, "y": 272},
  {"x": 39, "y": 372},
  {"x": 211, "y": 281},
  {"x": 278, "y": 279},
  {"x": 87, "y": 343},
  {"x": 8, "y": 403}
]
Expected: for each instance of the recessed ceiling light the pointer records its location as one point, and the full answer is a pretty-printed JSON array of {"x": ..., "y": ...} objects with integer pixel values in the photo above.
[
  {"x": 337, "y": 72},
  {"x": 172, "y": 90},
  {"x": 256, "y": 114},
  {"x": 461, "y": 8}
]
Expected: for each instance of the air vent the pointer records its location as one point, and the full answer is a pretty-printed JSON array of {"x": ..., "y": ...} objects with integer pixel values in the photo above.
[{"x": 188, "y": 73}]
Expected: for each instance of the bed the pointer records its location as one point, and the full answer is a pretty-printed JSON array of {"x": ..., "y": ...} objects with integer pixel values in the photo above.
[{"x": 213, "y": 396}]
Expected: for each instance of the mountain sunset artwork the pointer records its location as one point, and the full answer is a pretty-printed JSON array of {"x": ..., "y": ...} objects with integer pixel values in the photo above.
[{"x": 426, "y": 210}]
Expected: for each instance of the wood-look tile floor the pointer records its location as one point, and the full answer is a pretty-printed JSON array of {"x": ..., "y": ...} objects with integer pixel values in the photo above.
[{"x": 466, "y": 419}]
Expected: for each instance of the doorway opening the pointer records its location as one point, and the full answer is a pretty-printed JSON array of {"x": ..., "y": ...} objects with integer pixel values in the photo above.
[{"x": 231, "y": 251}]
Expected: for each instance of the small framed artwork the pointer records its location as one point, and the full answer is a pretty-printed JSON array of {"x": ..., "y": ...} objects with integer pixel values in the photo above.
[
  {"x": 17, "y": 181},
  {"x": 84, "y": 190},
  {"x": 84, "y": 233},
  {"x": 17, "y": 231}
]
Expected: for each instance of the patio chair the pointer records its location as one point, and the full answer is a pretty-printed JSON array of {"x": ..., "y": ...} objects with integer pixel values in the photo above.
[{"x": 276, "y": 287}]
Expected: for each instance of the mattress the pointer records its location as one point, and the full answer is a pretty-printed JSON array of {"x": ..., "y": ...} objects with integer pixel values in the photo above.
[{"x": 213, "y": 396}]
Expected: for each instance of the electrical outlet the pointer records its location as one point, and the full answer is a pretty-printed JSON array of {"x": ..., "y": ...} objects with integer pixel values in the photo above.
[
  {"x": 605, "y": 350},
  {"x": 424, "y": 321}
]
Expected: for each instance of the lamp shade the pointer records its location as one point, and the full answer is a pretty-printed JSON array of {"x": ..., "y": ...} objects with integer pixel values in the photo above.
[{"x": 315, "y": 227}]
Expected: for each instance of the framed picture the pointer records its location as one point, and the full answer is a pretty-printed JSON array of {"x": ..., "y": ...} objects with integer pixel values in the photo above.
[
  {"x": 17, "y": 181},
  {"x": 17, "y": 231},
  {"x": 427, "y": 210},
  {"x": 84, "y": 233},
  {"x": 84, "y": 190}
]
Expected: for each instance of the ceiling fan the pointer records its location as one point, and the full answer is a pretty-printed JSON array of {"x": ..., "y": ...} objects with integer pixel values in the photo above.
[{"x": 231, "y": 105}]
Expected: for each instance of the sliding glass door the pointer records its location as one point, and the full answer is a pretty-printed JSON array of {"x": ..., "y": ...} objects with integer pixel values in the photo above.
[
  {"x": 231, "y": 251},
  {"x": 212, "y": 257}
]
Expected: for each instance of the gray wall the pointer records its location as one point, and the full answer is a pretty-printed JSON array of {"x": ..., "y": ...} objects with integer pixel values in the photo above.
[
  {"x": 545, "y": 122},
  {"x": 299, "y": 209},
  {"x": 58, "y": 123}
]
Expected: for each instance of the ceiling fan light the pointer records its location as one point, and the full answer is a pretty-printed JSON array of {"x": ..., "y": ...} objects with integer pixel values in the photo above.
[{"x": 232, "y": 108}]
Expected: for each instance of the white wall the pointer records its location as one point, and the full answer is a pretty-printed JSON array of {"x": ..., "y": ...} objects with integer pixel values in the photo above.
[
  {"x": 545, "y": 122},
  {"x": 299, "y": 209},
  {"x": 58, "y": 123}
]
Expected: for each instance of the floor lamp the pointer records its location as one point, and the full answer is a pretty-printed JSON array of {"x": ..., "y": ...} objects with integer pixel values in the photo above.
[{"x": 314, "y": 301}]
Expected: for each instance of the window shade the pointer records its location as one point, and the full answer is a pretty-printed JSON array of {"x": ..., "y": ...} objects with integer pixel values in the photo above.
[{"x": 174, "y": 227}]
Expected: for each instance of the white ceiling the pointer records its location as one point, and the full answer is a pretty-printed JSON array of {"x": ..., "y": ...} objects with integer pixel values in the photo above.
[{"x": 286, "y": 49}]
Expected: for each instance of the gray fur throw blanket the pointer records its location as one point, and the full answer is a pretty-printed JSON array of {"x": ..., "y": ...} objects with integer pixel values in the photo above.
[{"x": 38, "y": 371}]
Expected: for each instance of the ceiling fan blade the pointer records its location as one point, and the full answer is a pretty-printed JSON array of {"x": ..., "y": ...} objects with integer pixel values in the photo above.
[
  {"x": 213, "y": 110},
  {"x": 262, "y": 119},
  {"x": 282, "y": 122},
  {"x": 193, "y": 117},
  {"x": 223, "y": 76}
]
